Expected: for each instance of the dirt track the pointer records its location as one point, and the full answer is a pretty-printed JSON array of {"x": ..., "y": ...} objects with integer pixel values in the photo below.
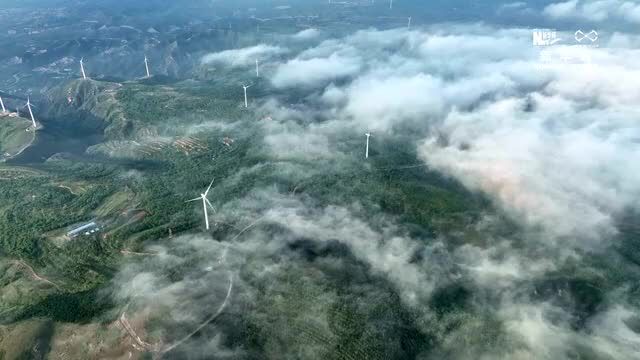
[
  {"x": 33, "y": 274},
  {"x": 158, "y": 348}
]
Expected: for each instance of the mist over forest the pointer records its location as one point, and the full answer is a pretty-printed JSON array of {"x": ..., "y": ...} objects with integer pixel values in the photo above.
[{"x": 319, "y": 180}]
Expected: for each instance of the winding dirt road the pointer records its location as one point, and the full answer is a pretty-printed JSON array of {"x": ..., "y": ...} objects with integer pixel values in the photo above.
[
  {"x": 157, "y": 348},
  {"x": 33, "y": 274}
]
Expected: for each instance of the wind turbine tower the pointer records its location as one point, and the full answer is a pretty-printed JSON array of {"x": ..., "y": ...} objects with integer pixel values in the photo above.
[
  {"x": 366, "y": 153},
  {"x": 390, "y": 4},
  {"x": 84, "y": 75},
  {"x": 4, "y": 110},
  {"x": 205, "y": 202},
  {"x": 33, "y": 119},
  {"x": 409, "y": 24},
  {"x": 146, "y": 66},
  {"x": 257, "y": 68},
  {"x": 246, "y": 101}
]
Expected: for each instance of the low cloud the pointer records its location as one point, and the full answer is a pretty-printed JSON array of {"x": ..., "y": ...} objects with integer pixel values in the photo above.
[
  {"x": 553, "y": 149},
  {"x": 515, "y": 131},
  {"x": 314, "y": 71},
  {"x": 244, "y": 56},
  {"x": 595, "y": 10},
  {"x": 306, "y": 35},
  {"x": 541, "y": 174},
  {"x": 383, "y": 249}
]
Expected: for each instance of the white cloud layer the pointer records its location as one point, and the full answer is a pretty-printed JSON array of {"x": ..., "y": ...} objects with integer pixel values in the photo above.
[
  {"x": 243, "y": 57},
  {"x": 554, "y": 147},
  {"x": 305, "y": 72},
  {"x": 306, "y": 35},
  {"x": 595, "y": 10}
]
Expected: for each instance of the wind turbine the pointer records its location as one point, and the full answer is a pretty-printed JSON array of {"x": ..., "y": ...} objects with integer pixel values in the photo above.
[
  {"x": 409, "y": 24},
  {"x": 4, "y": 110},
  {"x": 246, "y": 102},
  {"x": 33, "y": 119},
  {"x": 390, "y": 4},
  {"x": 366, "y": 154},
  {"x": 205, "y": 202},
  {"x": 84, "y": 75},
  {"x": 257, "y": 68},
  {"x": 146, "y": 66}
]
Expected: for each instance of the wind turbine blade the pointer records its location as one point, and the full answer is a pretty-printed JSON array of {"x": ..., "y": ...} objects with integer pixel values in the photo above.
[
  {"x": 192, "y": 200},
  {"x": 211, "y": 206},
  {"x": 209, "y": 188}
]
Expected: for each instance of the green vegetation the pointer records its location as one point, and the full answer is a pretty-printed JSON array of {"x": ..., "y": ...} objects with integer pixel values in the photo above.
[
  {"x": 38, "y": 206},
  {"x": 80, "y": 307},
  {"x": 161, "y": 149},
  {"x": 141, "y": 199},
  {"x": 299, "y": 315},
  {"x": 25, "y": 340},
  {"x": 14, "y": 136}
]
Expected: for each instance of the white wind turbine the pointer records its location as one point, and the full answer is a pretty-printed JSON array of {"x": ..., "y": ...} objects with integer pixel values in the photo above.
[
  {"x": 390, "y": 4},
  {"x": 84, "y": 75},
  {"x": 246, "y": 101},
  {"x": 4, "y": 110},
  {"x": 146, "y": 66},
  {"x": 366, "y": 153},
  {"x": 409, "y": 24},
  {"x": 33, "y": 119},
  {"x": 205, "y": 202},
  {"x": 257, "y": 68}
]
